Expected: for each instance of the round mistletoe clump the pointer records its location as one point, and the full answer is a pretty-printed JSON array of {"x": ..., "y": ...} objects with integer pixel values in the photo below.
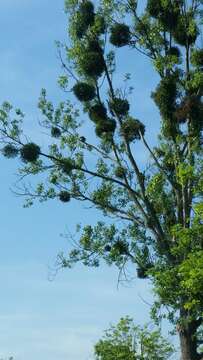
[
  {"x": 55, "y": 132},
  {"x": 185, "y": 34},
  {"x": 98, "y": 113},
  {"x": 132, "y": 129},
  {"x": 64, "y": 196},
  {"x": 119, "y": 106},
  {"x": 121, "y": 247},
  {"x": 197, "y": 58},
  {"x": 120, "y": 172},
  {"x": 120, "y": 35},
  {"x": 10, "y": 151},
  {"x": 67, "y": 166},
  {"x": 84, "y": 91},
  {"x": 99, "y": 24},
  {"x": 93, "y": 64},
  {"x": 84, "y": 18},
  {"x": 105, "y": 128},
  {"x": 165, "y": 96},
  {"x": 190, "y": 108},
  {"x": 93, "y": 45},
  {"x": 30, "y": 152},
  {"x": 174, "y": 51},
  {"x": 154, "y": 8}
]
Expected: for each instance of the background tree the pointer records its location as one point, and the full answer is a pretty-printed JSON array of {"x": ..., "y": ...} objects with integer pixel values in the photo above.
[
  {"x": 127, "y": 341},
  {"x": 158, "y": 206}
]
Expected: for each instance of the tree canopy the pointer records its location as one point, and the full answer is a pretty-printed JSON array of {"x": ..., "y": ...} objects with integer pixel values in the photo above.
[
  {"x": 157, "y": 206},
  {"x": 127, "y": 341}
]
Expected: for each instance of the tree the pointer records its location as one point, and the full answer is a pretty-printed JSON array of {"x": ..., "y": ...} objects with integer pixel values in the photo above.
[
  {"x": 127, "y": 341},
  {"x": 160, "y": 205}
]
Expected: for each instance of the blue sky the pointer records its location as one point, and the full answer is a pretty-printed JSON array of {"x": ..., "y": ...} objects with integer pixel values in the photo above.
[{"x": 59, "y": 319}]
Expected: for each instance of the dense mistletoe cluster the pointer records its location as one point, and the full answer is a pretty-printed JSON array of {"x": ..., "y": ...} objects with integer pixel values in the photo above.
[
  {"x": 84, "y": 91},
  {"x": 10, "y": 151},
  {"x": 30, "y": 152},
  {"x": 120, "y": 35}
]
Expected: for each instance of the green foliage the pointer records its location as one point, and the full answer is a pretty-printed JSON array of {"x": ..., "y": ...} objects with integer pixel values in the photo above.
[
  {"x": 119, "y": 107},
  {"x": 154, "y": 206},
  {"x": 98, "y": 113},
  {"x": 84, "y": 91},
  {"x": 197, "y": 58},
  {"x": 106, "y": 127},
  {"x": 127, "y": 341},
  {"x": 132, "y": 129},
  {"x": 186, "y": 31},
  {"x": 30, "y": 152},
  {"x": 64, "y": 196},
  {"x": 10, "y": 151},
  {"x": 120, "y": 35},
  {"x": 93, "y": 64},
  {"x": 84, "y": 18},
  {"x": 165, "y": 96},
  {"x": 55, "y": 132}
]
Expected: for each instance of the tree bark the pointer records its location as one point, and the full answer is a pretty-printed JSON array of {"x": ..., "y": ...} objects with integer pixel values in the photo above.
[{"x": 188, "y": 342}]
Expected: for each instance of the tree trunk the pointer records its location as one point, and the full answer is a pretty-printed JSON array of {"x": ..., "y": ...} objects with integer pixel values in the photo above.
[{"x": 188, "y": 342}]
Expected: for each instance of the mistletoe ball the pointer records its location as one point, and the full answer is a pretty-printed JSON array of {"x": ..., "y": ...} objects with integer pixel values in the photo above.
[
  {"x": 55, "y": 132},
  {"x": 120, "y": 35},
  {"x": 93, "y": 64},
  {"x": 119, "y": 107},
  {"x": 84, "y": 91},
  {"x": 132, "y": 129},
  {"x": 10, "y": 151},
  {"x": 64, "y": 196},
  {"x": 30, "y": 152}
]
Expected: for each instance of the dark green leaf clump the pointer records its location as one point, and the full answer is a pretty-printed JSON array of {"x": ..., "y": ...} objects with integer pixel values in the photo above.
[
  {"x": 105, "y": 128},
  {"x": 30, "y": 152},
  {"x": 167, "y": 13},
  {"x": 197, "y": 58},
  {"x": 100, "y": 24},
  {"x": 121, "y": 247},
  {"x": 141, "y": 273},
  {"x": 64, "y": 196},
  {"x": 186, "y": 32},
  {"x": 119, "y": 106},
  {"x": 132, "y": 129},
  {"x": 120, "y": 35},
  {"x": 165, "y": 96},
  {"x": 67, "y": 166},
  {"x": 120, "y": 172},
  {"x": 84, "y": 18},
  {"x": 93, "y": 45},
  {"x": 10, "y": 151},
  {"x": 98, "y": 113},
  {"x": 84, "y": 91},
  {"x": 55, "y": 132},
  {"x": 154, "y": 8},
  {"x": 93, "y": 64},
  {"x": 174, "y": 51},
  {"x": 189, "y": 109}
]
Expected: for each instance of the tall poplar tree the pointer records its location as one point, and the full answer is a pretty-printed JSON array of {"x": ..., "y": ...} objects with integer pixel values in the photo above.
[{"x": 158, "y": 207}]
